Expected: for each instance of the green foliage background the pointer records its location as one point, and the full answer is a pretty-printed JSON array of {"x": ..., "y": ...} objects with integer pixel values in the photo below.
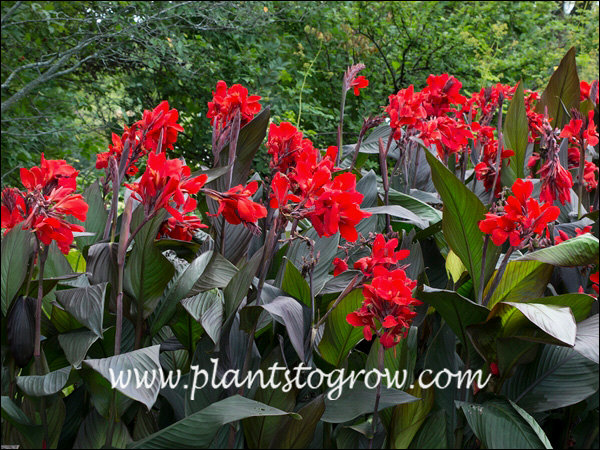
[{"x": 128, "y": 56}]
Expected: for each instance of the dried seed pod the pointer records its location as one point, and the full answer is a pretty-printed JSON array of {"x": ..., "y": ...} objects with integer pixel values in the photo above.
[{"x": 20, "y": 329}]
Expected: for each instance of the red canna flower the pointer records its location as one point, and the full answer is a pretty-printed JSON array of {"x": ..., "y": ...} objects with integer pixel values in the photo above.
[
  {"x": 228, "y": 101},
  {"x": 523, "y": 217},
  {"x": 47, "y": 202},
  {"x": 389, "y": 302},
  {"x": 448, "y": 135},
  {"x": 283, "y": 144},
  {"x": 161, "y": 120},
  {"x": 358, "y": 83},
  {"x": 405, "y": 108},
  {"x": 338, "y": 208},
  {"x": 441, "y": 92},
  {"x": 572, "y": 129},
  {"x": 237, "y": 207},
  {"x": 383, "y": 254},
  {"x": 166, "y": 183},
  {"x": 590, "y": 135},
  {"x": 340, "y": 266},
  {"x": 589, "y": 91}
]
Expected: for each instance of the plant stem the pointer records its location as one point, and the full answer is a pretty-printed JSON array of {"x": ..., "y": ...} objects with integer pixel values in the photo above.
[
  {"x": 499, "y": 154},
  {"x": 498, "y": 276},
  {"x": 380, "y": 362},
  {"x": 486, "y": 242},
  {"x": 38, "y": 310},
  {"x": 340, "y": 129},
  {"x": 345, "y": 292},
  {"x": 580, "y": 180}
]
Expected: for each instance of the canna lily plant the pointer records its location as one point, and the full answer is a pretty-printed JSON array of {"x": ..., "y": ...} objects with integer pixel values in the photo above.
[{"x": 473, "y": 247}]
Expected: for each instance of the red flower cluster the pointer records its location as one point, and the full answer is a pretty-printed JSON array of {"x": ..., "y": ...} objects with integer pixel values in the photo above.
[
  {"x": 523, "y": 217},
  {"x": 486, "y": 169},
  {"x": 556, "y": 180},
  {"x": 441, "y": 93},
  {"x": 167, "y": 183},
  {"x": 594, "y": 280},
  {"x": 562, "y": 236},
  {"x": 46, "y": 203},
  {"x": 227, "y": 102},
  {"x": 388, "y": 297},
  {"x": 143, "y": 137},
  {"x": 237, "y": 205},
  {"x": 405, "y": 108},
  {"x": 304, "y": 187}
]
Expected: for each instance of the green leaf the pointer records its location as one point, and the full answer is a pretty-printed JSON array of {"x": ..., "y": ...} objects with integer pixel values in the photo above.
[
  {"x": 454, "y": 266},
  {"x": 400, "y": 213},
  {"x": 217, "y": 274},
  {"x": 145, "y": 361},
  {"x": 432, "y": 433},
  {"x": 238, "y": 286},
  {"x": 418, "y": 207},
  {"x": 408, "y": 418},
  {"x": 339, "y": 336},
  {"x": 516, "y": 131},
  {"x": 76, "y": 345},
  {"x": 199, "y": 429},
  {"x": 359, "y": 400},
  {"x": 586, "y": 342},
  {"x": 578, "y": 251},
  {"x": 180, "y": 289},
  {"x": 86, "y": 305},
  {"x": 295, "y": 284},
  {"x": 325, "y": 247},
  {"x": 32, "y": 434},
  {"x": 16, "y": 251},
  {"x": 94, "y": 429},
  {"x": 558, "y": 377},
  {"x": 42, "y": 385},
  {"x": 147, "y": 271},
  {"x": 562, "y": 92},
  {"x": 259, "y": 431},
  {"x": 460, "y": 223},
  {"x": 458, "y": 311},
  {"x": 556, "y": 321},
  {"x": 207, "y": 309},
  {"x": 498, "y": 424},
  {"x": 522, "y": 280},
  {"x": 299, "y": 433}
]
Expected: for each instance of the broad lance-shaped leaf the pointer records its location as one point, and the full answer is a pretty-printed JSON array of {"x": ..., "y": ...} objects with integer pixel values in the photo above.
[
  {"x": 460, "y": 222},
  {"x": 399, "y": 212},
  {"x": 94, "y": 429},
  {"x": 522, "y": 280},
  {"x": 127, "y": 369},
  {"x": 558, "y": 377},
  {"x": 76, "y": 345},
  {"x": 42, "y": 385},
  {"x": 556, "y": 321},
  {"x": 339, "y": 336},
  {"x": 361, "y": 400},
  {"x": 408, "y": 418},
  {"x": 147, "y": 271},
  {"x": 458, "y": 311},
  {"x": 180, "y": 289},
  {"x": 86, "y": 305},
  {"x": 498, "y": 423},
  {"x": 300, "y": 433},
  {"x": 16, "y": 251},
  {"x": 288, "y": 312},
  {"x": 586, "y": 342},
  {"x": 238, "y": 286},
  {"x": 326, "y": 247},
  {"x": 295, "y": 284},
  {"x": 562, "y": 93},
  {"x": 578, "y": 251},
  {"x": 96, "y": 217},
  {"x": 207, "y": 309},
  {"x": 32, "y": 434},
  {"x": 516, "y": 131},
  {"x": 199, "y": 429}
]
